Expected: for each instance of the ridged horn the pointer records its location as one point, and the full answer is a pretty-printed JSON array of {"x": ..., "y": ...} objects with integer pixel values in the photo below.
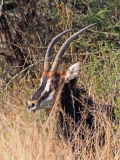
[
  {"x": 50, "y": 48},
  {"x": 65, "y": 46}
]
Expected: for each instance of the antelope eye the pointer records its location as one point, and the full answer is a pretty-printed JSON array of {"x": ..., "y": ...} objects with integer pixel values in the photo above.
[{"x": 54, "y": 81}]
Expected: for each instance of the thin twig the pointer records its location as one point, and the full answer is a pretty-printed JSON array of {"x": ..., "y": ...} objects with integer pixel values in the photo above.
[
  {"x": 107, "y": 33},
  {"x": 21, "y": 73}
]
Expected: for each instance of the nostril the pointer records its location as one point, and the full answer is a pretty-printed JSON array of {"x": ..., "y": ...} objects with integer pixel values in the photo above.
[{"x": 33, "y": 105}]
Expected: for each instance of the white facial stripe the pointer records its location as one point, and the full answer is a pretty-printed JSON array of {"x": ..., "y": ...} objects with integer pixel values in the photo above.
[
  {"x": 41, "y": 81},
  {"x": 45, "y": 103},
  {"x": 51, "y": 96},
  {"x": 47, "y": 87}
]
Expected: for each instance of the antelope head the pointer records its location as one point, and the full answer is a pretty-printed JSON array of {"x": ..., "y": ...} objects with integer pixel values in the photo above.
[{"x": 51, "y": 80}]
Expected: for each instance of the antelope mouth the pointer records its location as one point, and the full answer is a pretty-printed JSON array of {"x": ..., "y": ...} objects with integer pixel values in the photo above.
[{"x": 34, "y": 107}]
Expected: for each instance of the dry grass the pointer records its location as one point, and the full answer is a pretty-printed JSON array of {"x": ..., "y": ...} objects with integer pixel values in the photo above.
[
  {"x": 32, "y": 136},
  {"x": 24, "y": 136}
]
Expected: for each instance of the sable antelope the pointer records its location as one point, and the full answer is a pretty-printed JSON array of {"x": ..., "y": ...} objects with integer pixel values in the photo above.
[{"x": 77, "y": 108}]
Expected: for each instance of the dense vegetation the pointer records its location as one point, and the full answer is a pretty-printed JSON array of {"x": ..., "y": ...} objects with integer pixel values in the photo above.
[{"x": 26, "y": 29}]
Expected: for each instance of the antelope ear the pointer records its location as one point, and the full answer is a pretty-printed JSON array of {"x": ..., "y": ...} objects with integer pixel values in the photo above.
[{"x": 72, "y": 72}]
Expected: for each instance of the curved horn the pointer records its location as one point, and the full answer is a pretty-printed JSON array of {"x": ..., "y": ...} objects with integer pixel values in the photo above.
[
  {"x": 65, "y": 46},
  {"x": 50, "y": 48}
]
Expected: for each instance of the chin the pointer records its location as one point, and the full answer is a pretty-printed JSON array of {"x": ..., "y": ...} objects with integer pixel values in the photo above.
[{"x": 47, "y": 105}]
